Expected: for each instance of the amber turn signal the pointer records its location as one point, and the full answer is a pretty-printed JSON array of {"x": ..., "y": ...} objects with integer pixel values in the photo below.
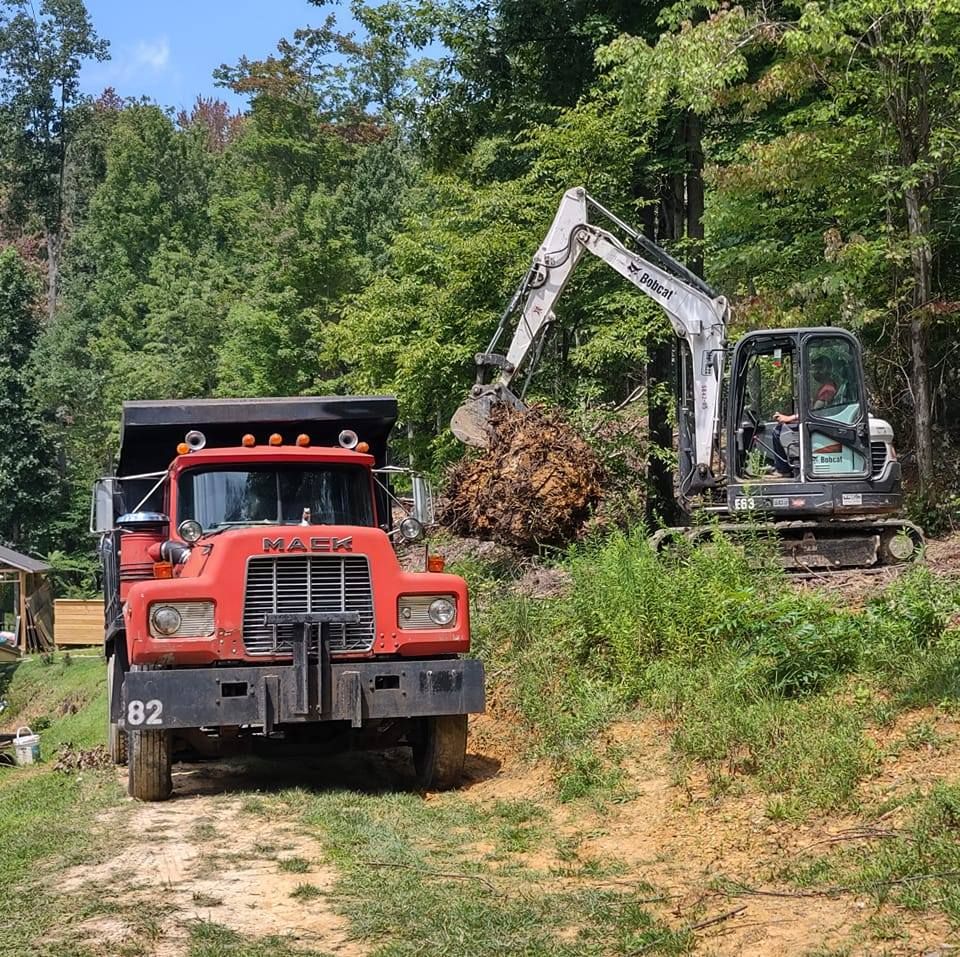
[
  {"x": 248, "y": 441},
  {"x": 436, "y": 563},
  {"x": 162, "y": 570},
  {"x": 303, "y": 440},
  {"x": 183, "y": 448},
  {"x": 362, "y": 447},
  {"x": 276, "y": 439}
]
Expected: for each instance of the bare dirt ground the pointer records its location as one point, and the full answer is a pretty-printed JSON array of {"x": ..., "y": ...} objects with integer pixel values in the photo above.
[{"x": 206, "y": 859}]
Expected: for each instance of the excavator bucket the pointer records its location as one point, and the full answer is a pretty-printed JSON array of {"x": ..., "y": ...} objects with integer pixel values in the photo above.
[{"x": 471, "y": 422}]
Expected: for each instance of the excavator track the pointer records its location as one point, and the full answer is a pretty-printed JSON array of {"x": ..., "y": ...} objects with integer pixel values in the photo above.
[{"x": 811, "y": 546}]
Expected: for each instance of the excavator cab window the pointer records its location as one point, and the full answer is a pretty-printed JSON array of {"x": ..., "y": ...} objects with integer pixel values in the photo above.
[
  {"x": 836, "y": 431},
  {"x": 768, "y": 385}
]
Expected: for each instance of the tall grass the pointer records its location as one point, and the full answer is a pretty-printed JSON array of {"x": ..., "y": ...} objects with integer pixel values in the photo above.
[{"x": 756, "y": 677}]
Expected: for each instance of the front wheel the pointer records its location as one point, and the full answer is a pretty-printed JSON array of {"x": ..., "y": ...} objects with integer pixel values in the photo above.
[
  {"x": 149, "y": 764},
  {"x": 439, "y": 751},
  {"x": 116, "y": 736}
]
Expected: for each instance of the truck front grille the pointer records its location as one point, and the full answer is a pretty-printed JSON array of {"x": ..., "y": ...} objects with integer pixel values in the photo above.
[
  {"x": 317, "y": 583},
  {"x": 878, "y": 457}
]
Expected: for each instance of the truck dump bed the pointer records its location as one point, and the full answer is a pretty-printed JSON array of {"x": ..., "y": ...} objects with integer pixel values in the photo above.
[{"x": 151, "y": 430}]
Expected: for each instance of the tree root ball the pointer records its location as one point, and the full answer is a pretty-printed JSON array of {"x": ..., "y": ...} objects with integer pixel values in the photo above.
[{"x": 537, "y": 484}]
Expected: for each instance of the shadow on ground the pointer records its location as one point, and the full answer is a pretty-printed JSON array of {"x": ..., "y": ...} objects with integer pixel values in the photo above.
[{"x": 369, "y": 772}]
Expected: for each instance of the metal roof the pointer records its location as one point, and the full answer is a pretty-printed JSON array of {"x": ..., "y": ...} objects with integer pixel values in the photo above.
[{"x": 23, "y": 563}]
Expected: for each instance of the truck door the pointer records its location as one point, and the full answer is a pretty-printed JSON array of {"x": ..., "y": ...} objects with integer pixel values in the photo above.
[{"x": 836, "y": 431}]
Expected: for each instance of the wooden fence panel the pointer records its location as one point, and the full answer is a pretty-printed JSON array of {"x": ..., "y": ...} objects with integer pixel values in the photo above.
[{"x": 78, "y": 621}]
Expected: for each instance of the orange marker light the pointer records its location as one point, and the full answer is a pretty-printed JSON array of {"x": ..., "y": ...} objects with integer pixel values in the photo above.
[
  {"x": 436, "y": 563},
  {"x": 162, "y": 570},
  {"x": 303, "y": 440},
  {"x": 248, "y": 441},
  {"x": 276, "y": 439},
  {"x": 362, "y": 447},
  {"x": 183, "y": 448}
]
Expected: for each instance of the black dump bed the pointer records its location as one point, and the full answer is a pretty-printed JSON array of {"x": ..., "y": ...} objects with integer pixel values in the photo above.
[{"x": 150, "y": 431}]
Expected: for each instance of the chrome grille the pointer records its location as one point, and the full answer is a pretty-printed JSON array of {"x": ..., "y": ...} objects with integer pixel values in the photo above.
[
  {"x": 878, "y": 457},
  {"x": 290, "y": 585}
]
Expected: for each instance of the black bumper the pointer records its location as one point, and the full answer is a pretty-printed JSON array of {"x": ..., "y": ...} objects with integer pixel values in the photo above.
[{"x": 267, "y": 695}]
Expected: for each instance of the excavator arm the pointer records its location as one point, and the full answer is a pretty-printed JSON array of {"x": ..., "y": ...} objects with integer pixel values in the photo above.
[{"x": 697, "y": 316}]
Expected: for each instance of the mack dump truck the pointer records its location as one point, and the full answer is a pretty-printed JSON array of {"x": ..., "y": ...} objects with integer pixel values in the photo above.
[{"x": 253, "y": 595}]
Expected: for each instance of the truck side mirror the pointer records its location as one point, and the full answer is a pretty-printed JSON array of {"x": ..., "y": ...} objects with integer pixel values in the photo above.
[
  {"x": 423, "y": 506},
  {"x": 101, "y": 507}
]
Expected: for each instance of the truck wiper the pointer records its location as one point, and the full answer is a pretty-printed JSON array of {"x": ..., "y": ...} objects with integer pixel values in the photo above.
[{"x": 225, "y": 526}]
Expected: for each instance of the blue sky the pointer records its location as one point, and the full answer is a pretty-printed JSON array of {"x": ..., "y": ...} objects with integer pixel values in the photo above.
[{"x": 168, "y": 49}]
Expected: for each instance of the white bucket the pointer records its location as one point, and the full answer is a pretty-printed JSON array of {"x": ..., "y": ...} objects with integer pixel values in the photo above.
[{"x": 26, "y": 746}]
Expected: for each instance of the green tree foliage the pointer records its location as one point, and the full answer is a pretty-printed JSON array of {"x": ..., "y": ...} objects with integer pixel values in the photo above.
[
  {"x": 360, "y": 226},
  {"x": 837, "y": 134},
  {"x": 41, "y": 52},
  {"x": 29, "y": 481}
]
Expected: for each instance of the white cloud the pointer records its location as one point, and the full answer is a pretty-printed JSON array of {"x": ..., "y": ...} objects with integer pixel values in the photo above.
[{"x": 153, "y": 53}]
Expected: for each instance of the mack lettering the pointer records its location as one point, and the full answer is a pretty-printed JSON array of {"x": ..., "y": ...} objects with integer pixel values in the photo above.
[{"x": 314, "y": 544}]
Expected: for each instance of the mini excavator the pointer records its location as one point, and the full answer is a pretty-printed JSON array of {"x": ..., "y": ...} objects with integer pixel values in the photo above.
[{"x": 774, "y": 433}]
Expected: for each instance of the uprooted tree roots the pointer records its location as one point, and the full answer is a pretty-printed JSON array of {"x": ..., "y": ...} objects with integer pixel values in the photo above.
[{"x": 536, "y": 485}]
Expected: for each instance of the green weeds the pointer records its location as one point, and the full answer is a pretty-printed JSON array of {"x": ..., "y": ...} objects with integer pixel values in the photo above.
[
  {"x": 756, "y": 678},
  {"x": 47, "y": 817}
]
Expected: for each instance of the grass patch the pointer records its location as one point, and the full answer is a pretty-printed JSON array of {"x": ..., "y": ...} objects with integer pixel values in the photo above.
[
  {"x": 916, "y": 867},
  {"x": 410, "y": 879},
  {"x": 209, "y": 939},
  {"x": 294, "y": 865},
  {"x": 61, "y": 697},
  {"x": 47, "y": 818},
  {"x": 306, "y": 892}
]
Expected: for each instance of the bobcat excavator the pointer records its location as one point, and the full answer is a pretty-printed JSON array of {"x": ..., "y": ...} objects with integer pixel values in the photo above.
[{"x": 774, "y": 433}]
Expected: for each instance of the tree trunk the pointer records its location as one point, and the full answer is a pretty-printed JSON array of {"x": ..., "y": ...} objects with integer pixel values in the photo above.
[
  {"x": 661, "y": 496},
  {"x": 918, "y": 231},
  {"x": 53, "y": 271}
]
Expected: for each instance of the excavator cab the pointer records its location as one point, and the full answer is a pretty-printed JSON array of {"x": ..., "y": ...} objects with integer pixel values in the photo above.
[
  {"x": 802, "y": 446},
  {"x": 799, "y": 408}
]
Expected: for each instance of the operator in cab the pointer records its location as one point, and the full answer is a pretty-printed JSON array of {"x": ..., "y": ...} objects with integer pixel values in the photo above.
[{"x": 784, "y": 435}]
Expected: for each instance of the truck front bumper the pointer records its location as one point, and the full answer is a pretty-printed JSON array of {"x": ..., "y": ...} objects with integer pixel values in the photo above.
[{"x": 268, "y": 695}]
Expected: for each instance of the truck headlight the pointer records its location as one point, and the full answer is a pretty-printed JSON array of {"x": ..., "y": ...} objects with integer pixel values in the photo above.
[
  {"x": 182, "y": 619},
  {"x": 442, "y": 611},
  {"x": 427, "y": 611},
  {"x": 411, "y": 530}
]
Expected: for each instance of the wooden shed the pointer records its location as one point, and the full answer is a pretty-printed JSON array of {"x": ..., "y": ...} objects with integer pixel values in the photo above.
[{"x": 32, "y": 600}]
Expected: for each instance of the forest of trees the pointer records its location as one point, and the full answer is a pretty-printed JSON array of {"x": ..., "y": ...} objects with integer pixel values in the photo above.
[{"x": 359, "y": 225}]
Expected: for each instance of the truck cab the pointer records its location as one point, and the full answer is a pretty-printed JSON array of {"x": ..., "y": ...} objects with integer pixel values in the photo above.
[{"x": 254, "y": 597}]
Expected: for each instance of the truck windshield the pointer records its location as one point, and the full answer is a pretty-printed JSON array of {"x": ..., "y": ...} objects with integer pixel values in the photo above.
[{"x": 334, "y": 494}]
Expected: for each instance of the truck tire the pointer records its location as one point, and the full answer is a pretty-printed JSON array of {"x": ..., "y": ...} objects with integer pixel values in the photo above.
[
  {"x": 149, "y": 764},
  {"x": 439, "y": 751},
  {"x": 116, "y": 738}
]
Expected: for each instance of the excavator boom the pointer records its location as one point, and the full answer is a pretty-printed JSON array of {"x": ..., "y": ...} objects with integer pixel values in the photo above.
[{"x": 696, "y": 313}]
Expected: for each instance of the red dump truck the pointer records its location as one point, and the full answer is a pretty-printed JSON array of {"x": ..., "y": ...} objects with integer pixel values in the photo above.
[{"x": 253, "y": 595}]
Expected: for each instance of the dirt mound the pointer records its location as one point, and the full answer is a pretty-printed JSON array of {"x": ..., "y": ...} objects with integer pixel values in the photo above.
[{"x": 536, "y": 485}]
